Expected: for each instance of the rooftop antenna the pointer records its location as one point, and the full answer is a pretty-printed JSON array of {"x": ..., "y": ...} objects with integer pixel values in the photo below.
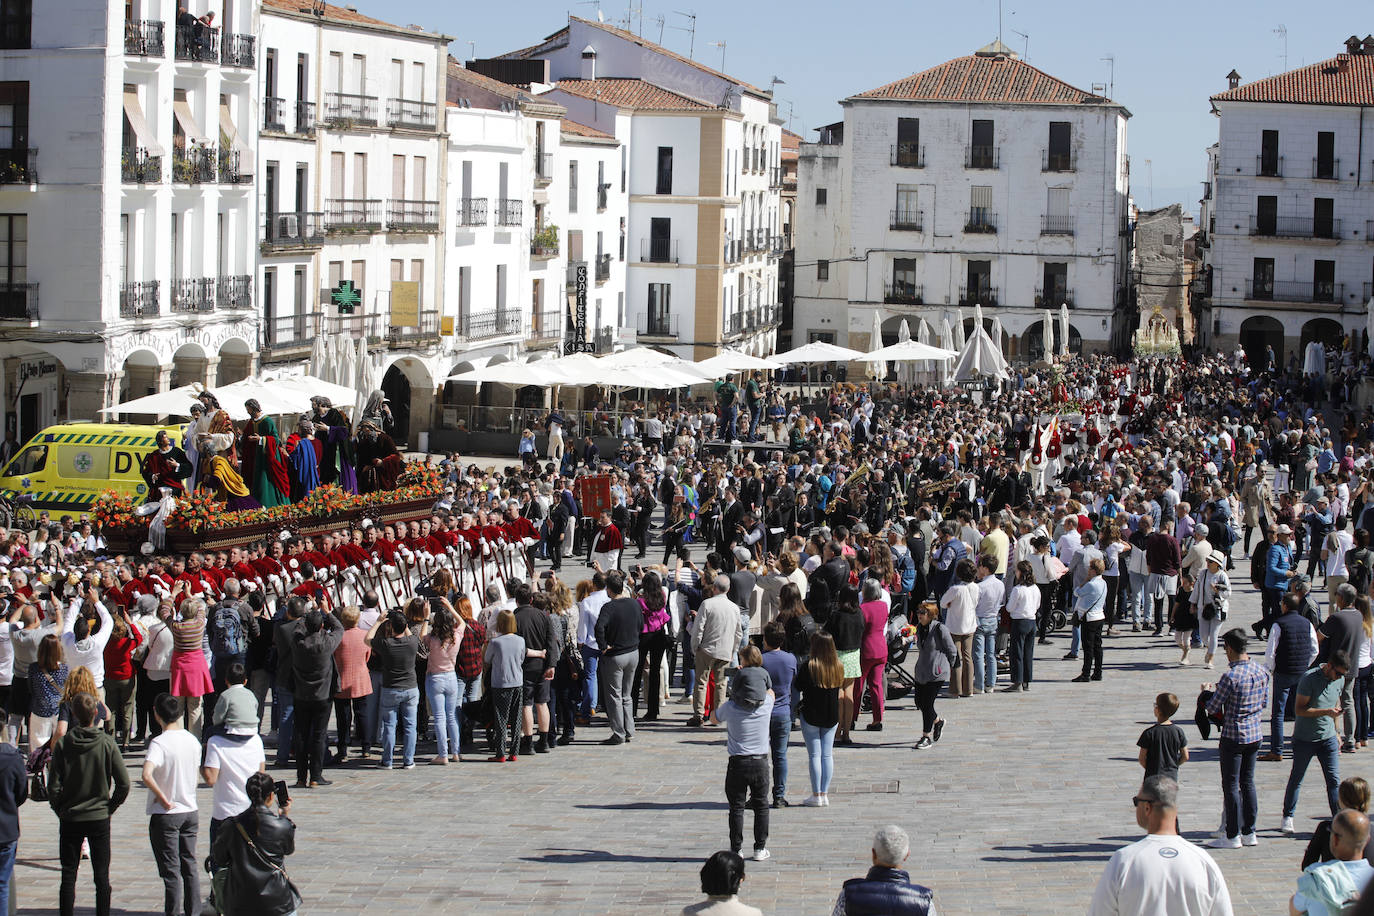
[
  {"x": 659, "y": 20},
  {"x": 1282, "y": 32},
  {"x": 595, "y": 3},
  {"x": 999, "y": 21},
  {"x": 691, "y": 30},
  {"x": 1111, "y": 74},
  {"x": 630, "y": 17},
  {"x": 1150, "y": 180},
  {"x": 1025, "y": 44},
  {"x": 720, "y": 44}
]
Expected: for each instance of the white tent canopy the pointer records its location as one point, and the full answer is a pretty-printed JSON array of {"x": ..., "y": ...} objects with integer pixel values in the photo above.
[
  {"x": 311, "y": 386},
  {"x": 727, "y": 361},
  {"x": 174, "y": 403},
  {"x": 980, "y": 358},
  {"x": 818, "y": 352},
  {"x": 908, "y": 351}
]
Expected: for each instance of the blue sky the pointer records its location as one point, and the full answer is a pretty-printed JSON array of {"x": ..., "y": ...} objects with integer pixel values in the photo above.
[{"x": 1169, "y": 55}]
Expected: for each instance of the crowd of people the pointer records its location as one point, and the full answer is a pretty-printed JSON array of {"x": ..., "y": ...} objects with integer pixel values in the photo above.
[{"x": 817, "y": 554}]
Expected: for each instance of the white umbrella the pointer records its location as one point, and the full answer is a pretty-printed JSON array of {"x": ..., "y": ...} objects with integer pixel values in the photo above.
[
  {"x": 877, "y": 369},
  {"x": 923, "y": 331},
  {"x": 1369, "y": 323},
  {"x": 1063, "y": 329},
  {"x": 958, "y": 328},
  {"x": 980, "y": 358},
  {"x": 176, "y": 402},
  {"x": 727, "y": 361},
  {"x": 977, "y": 315},
  {"x": 908, "y": 351},
  {"x": 906, "y": 371},
  {"x": 274, "y": 399},
  {"x": 818, "y": 352},
  {"x": 1049, "y": 336},
  {"x": 311, "y": 386},
  {"x": 997, "y": 333},
  {"x": 318, "y": 357},
  {"x": 365, "y": 379}
]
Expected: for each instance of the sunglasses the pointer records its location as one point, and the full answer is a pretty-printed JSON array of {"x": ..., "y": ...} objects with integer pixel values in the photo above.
[{"x": 1137, "y": 801}]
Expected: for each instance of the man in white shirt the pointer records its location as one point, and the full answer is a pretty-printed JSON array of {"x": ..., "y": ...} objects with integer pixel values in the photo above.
[
  {"x": 82, "y": 647},
  {"x": 588, "y": 610},
  {"x": 169, "y": 772},
  {"x": 1066, "y": 547},
  {"x": 1333, "y": 548},
  {"x": 1163, "y": 874},
  {"x": 229, "y": 761}
]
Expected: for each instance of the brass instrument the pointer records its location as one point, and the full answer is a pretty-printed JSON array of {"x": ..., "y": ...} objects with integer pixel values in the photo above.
[{"x": 943, "y": 488}]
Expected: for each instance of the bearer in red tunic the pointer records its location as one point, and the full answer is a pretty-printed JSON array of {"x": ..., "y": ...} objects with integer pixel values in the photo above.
[{"x": 606, "y": 544}]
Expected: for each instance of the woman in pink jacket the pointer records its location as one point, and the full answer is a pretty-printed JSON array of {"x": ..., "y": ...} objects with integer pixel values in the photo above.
[{"x": 872, "y": 652}]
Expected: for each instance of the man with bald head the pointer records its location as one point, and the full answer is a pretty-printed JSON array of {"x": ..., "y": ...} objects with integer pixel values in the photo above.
[{"x": 1325, "y": 887}]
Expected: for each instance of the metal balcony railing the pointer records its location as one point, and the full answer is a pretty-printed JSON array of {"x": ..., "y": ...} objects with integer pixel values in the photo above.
[
  {"x": 777, "y": 246},
  {"x": 655, "y": 325},
  {"x": 195, "y": 294},
  {"x": 907, "y": 155},
  {"x": 508, "y": 212},
  {"x": 19, "y": 166},
  {"x": 472, "y": 211},
  {"x": 19, "y": 301},
  {"x": 904, "y": 293},
  {"x": 289, "y": 331},
  {"x": 1294, "y": 291},
  {"x": 1052, "y": 224},
  {"x": 143, "y": 38},
  {"x": 353, "y": 214},
  {"x": 139, "y": 300},
  {"x": 658, "y": 251},
  {"x": 412, "y": 215},
  {"x": 1269, "y": 166},
  {"x": 1326, "y": 169},
  {"x": 602, "y": 196},
  {"x": 230, "y": 170},
  {"x": 428, "y": 328},
  {"x": 734, "y": 324},
  {"x": 234, "y": 292},
  {"x": 194, "y": 164},
  {"x": 907, "y": 220},
  {"x": 305, "y": 117},
  {"x": 603, "y": 268},
  {"x": 491, "y": 323},
  {"x": 978, "y": 295},
  {"x": 775, "y": 178},
  {"x": 1058, "y": 161},
  {"x": 293, "y": 230},
  {"x": 547, "y": 325},
  {"x": 980, "y": 220},
  {"x": 412, "y": 114},
  {"x": 1295, "y": 227},
  {"x": 137, "y": 167},
  {"x": 981, "y": 157},
  {"x": 734, "y": 252},
  {"x": 237, "y": 51},
  {"x": 197, "y": 43},
  {"x": 342, "y": 109},
  {"x": 274, "y": 114},
  {"x": 543, "y": 244},
  {"x": 1057, "y": 296}
]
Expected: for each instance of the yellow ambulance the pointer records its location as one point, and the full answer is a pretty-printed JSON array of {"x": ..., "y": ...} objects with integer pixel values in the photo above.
[{"x": 65, "y": 468}]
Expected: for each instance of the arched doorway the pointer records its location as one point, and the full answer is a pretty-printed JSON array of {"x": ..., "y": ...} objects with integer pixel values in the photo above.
[
  {"x": 1033, "y": 341},
  {"x": 1325, "y": 330},
  {"x": 396, "y": 387},
  {"x": 235, "y": 361},
  {"x": 1257, "y": 333},
  {"x": 190, "y": 363},
  {"x": 410, "y": 390}
]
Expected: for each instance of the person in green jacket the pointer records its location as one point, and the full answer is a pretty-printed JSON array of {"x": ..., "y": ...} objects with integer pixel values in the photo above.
[{"x": 87, "y": 783}]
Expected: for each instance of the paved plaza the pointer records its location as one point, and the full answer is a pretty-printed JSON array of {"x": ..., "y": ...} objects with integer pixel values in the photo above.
[{"x": 1016, "y": 810}]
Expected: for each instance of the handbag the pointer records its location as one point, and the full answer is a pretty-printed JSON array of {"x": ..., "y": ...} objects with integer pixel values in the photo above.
[
  {"x": 1055, "y": 568},
  {"x": 268, "y": 863}
]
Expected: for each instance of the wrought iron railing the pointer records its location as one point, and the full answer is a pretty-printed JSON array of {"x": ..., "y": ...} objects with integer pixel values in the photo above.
[
  {"x": 19, "y": 166},
  {"x": 1058, "y": 161},
  {"x": 1056, "y": 224},
  {"x": 603, "y": 268},
  {"x": 289, "y": 331},
  {"x": 981, "y": 220},
  {"x": 427, "y": 328},
  {"x": 472, "y": 211},
  {"x": 412, "y": 114},
  {"x": 352, "y": 214},
  {"x": 907, "y": 155},
  {"x": 490, "y": 323},
  {"x": 137, "y": 167},
  {"x": 197, "y": 43},
  {"x": 144, "y": 38},
  {"x": 342, "y": 109},
  {"x": 194, "y": 164},
  {"x": 293, "y": 230},
  {"x": 978, "y": 295},
  {"x": 658, "y": 251},
  {"x": 1326, "y": 169},
  {"x": 909, "y": 220},
  {"x": 1056, "y": 297},
  {"x": 1295, "y": 227},
  {"x": 547, "y": 326},
  {"x": 194, "y": 294},
  {"x": 305, "y": 117},
  {"x": 508, "y": 212},
  {"x": 1295, "y": 291},
  {"x": 19, "y": 301},
  {"x": 274, "y": 114},
  {"x": 981, "y": 157},
  {"x": 139, "y": 300},
  {"x": 651, "y": 325},
  {"x": 901, "y": 293},
  {"x": 1269, "y": 166},
  {"x": 234, "y": 292},
  {"x": 230, "y": 168},
  {"x": 413, "y": 215},
  {"x": 237, "y": 51}
]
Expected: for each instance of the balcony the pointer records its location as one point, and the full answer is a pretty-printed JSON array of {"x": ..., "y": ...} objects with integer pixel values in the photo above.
[
  {"x": 234, "y": 292},
  {"x": 426, "y": 329},
  {"x": 139, "y": 300},
  {"x": 602, "y": 195},
  {"x": 410, "y": 114},
  {"x": 230, "y": 171},
  {"x": 1295, "y": 227},
  {"x": 1294, "y": 291},
  {"x": 237, "y": 51},
  {"x": 651, "y": 325},
  {"x": 907, "y": 220},
  {"x": 293, "y": 230},
  {"x": 543, "y": 168},
  {"x": 1057, "y": 297},
  {"x": 508, "y": 212},
  {"x": 352, "y": 215},
  {"x": 544, "y": 242},
  {"x": 194, "y": 164},
  {"x": 734, "y": 324},
  {"x": 734, "y": 252},
  {"x": 603, "y": 268},
  {"x": 907, "y": 155},
  {"x": 283, "y": 332},
  {"x": 143, "y": 38},
  {"x": 19, "y": 166},
  {"x": 777, "y": 247},
  {"x": 981, "y": 221},
  {"x": 305, "y": 117},
  {"x": 197, "y": 43},
  {"x": 978, "y": 295},
  {"x": 412, "y": 215},
  {"x": 343, "y": 110},
  {"x": 658, "y": 251},
  {"x": 1269, "y": 166},
  {"x": 547, "y": 326},
  {"x": 274, "y": 115},
  {"x": 472, "y": 211},
  {"x": 904, "y": 294},
  {"x": 491, "y": 323},
  {"x": 19, "y": 301},
  {"x": 137, "y": 167},
  {"x": 1058, "y": 161},
  {"x": 1326, "y": 169},
  {"x": 354, "y": 324},
  {"x": 981, "y": 157},
  {"x": 775, "y": 178},
  {"x": 1056, "y": 225},
  {"x": 196, "y": 294}
]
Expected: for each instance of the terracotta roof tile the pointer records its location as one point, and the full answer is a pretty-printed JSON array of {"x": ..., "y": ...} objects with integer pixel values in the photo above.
[
  {"x": 582, "y": 130},
  {"x": 984, "y": 78},
  {"x": 631, "y": 93},
  {"x": 1324, "y": 83},
  {"x": 333, "y": 13},
  {"x": 457, "y": 71},
  {"x": 791, "y": 140}
]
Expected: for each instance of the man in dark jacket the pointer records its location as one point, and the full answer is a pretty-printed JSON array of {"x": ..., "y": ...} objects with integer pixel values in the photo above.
[
  {"x": 14, "y": 790},
  {"x": 886, "y": 888},
  {"x": 87, "y": 783},
  {"x": 532, "y": 625},
  {"x": 312, "y": 671},
  {"x": 617, "y": 636},
  {"x": 283, "y": 695}
]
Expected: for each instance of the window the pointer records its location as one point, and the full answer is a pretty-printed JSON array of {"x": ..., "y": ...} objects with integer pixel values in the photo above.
[
  {"x": 1058, "y": 156},
  {"x": 661, "y": 240},
  {"x": 622, "y": 170},
  {"x": 1269, "y": 162},
  {"x": 820, "y": 337},
  {"x": 979, "y": 288},
  {"x": 1323, "y": 226},
  {"x": 664, "y": 184},
  {"x": 1262, "y": 279},
  {"x": 1266, "y": 214},
  {"x": 269, "y": 301},
  {"x": 16, "y": 23},
  {"x": 1323, "y": 281},
  {"x": 660, "y": 305},
  {"x": 1325, "y": 166},
  {"x": 820, "y": 197},
  {"x": 982, "y": 154},
  {"x": 822, "y": 270},
  {"x": 904, "y": 280},
  {"x": 14, "y": 250},
  {"x": 1055, "y": 285},
  {"x": 907, "y": 214},
  {"x": 980, "y": 218},
  {"x": 572, "y": 187},
  {"x": 464, "y": 291},
  {"x": 500, "y": 289},
  {"x": 908, "y": 152},
  {"x": 14, "y": 117}
]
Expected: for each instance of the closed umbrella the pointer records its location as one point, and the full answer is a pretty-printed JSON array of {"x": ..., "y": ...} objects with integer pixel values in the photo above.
[
  {"x": 1369, "y": 324},
  {"x": 877, "y": 370},
  {"x": 318, "y": 356},
  {"x": 997, "y": 333},
  {"x": 1049, "y": 337},
  {"x": 958, "y": 339},
  {"x": 1064, "y": 329},
  {"x": 946, "y": 341},
  {"x": 980, "y": 359},
  {"x": 906, "y": 369}
]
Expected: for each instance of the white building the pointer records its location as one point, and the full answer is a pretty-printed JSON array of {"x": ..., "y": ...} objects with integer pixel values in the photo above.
[
  {"x": 700, "y": 166},
  {"x": 352, "y": 166},
  {"x": 1288, "y": 208},
  {"x": 138, "y": 226},
  {"x": 979, "y": 181}
]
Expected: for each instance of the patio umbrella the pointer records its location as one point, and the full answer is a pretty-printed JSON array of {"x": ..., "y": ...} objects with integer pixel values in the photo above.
[
  {"x": 906, "y": 371},
  {"x": 997, "y": 333},
  {"x": 365, "y": 379},
  {"x": 175, "y": 403},
  {"x": 958, "y": 339},
  {"x": 319, "y": 358},
  {"x": 818, "y": 352},
  {"x": 1314, "y": 359},
  {"x": 727, "y": 361},
  {"x": 1049, "y": 337},
  {"x": 311, "y": 386},
  {"x": 908, "y": 351},
  {"x": 1063, "y": 329},
  {"x": 275, "y": 400},
  {"x": 980, "y": 359},
  {"x": 877, "y": 369}
]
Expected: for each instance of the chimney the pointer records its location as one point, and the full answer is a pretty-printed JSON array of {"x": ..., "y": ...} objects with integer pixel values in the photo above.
[
  {"x": 1368, "y": 44},
  {"x": 1232, "y": 80},
  {"x": 1352, "y": 44},
  {"x": 589, "y": 63}
]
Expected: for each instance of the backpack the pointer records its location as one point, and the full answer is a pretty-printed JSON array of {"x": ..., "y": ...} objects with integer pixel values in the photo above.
[
  {"x": 227, "y": 636},
  {"x": 37, "y": 766},
  {"x": 906, "y": 569},
  {"x": 1359, "y": 564}
]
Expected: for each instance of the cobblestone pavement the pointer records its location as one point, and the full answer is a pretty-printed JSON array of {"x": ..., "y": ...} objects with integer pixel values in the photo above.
[{"x": 1016, "y": 810}]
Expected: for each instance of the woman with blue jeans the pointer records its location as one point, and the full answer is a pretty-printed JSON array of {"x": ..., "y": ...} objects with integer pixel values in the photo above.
[
  {"x": 395, "y": 647},
  {"x": 441, "y": 681},
  {"x": 819, "y": 682}
]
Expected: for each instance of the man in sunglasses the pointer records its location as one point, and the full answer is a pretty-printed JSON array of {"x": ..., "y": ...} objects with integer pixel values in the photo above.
[
  {"x": 1315, "y": 734},
  {"x": 1162, "y": 873}
]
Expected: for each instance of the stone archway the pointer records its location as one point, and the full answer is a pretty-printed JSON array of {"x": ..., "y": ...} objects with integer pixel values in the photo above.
[
  {"x": 1258, "y": 333},
  {"x": 1033, "y": 341},
  {"x": 409, "y": 387},
  {"x": 190, "y": 363},
  {"x": 1326, "y": 330},
  {"x": 235, "y": 361}
]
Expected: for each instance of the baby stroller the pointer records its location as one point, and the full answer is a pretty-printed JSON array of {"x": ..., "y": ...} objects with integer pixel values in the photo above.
[{"x": 899, "y": 681}]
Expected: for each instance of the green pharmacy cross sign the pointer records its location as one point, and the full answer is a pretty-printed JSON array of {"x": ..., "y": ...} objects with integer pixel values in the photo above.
[{"x": 347, "y": 297}]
